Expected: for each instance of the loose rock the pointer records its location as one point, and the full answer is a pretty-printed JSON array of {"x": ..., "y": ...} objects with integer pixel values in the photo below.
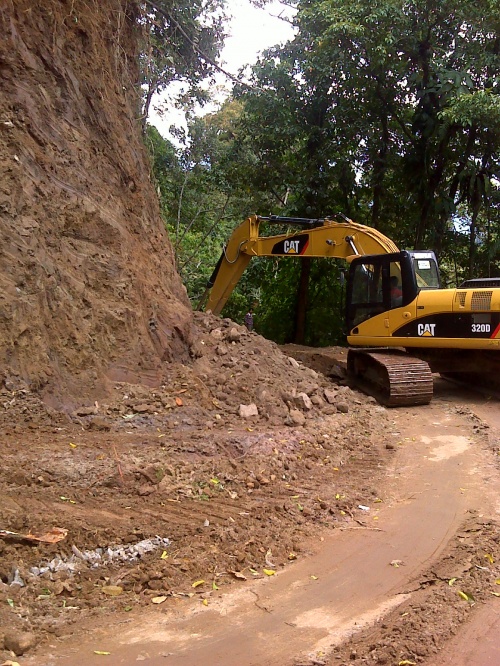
[
  {"x": 248, "y": 411},
  {"x": 19, "y": 642}
]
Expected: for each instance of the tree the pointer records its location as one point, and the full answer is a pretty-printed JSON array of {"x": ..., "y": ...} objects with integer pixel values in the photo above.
[
  {"x": 387, "y": 111},
  {"x": 205, "y": 193},
  {"x": 182, "y": 40},
  {"x": 423, "y": 73}
]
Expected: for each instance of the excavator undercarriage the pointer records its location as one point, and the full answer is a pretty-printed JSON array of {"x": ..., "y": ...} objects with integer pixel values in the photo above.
[{"x": 394, "y": 378}]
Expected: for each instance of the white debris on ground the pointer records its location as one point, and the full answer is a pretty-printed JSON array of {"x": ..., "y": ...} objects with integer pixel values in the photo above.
[{"x": 101, "y": 556}]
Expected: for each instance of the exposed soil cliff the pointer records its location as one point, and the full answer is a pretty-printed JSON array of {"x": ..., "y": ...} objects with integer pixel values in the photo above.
[{"x": 88, "y": 289}]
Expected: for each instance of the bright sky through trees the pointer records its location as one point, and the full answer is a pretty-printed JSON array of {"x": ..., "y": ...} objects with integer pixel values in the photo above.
[{"x": 250, "y": 32}]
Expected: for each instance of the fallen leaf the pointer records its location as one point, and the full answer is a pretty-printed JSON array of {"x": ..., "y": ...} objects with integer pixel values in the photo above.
[
  {"x": 465, "y": 596},
  {"x": 238, "y": 575},
  {"x": 158, "y": 600},
  {"x": 67, "y": 499},
  {"x": 102, "y": 652},
  {"x": 178, "y": 402},
  {"x": 269, "y": 572},
  {"x": 205, "y": 602},
  {"x": 10, "y": 602},
  {"x": 197, "y": 583},
  {"x": 495, "y": 594},
  {"x": 396, "y": 563},
  {"x": 73, "y": 446},
  {"x": 406, "y": 662},
  {"x": 451, "y": 581},
  {"x": 497, "y": 582},
  {"x": 214, "y": 586},
  {"x": 10, "y": 663},
  {"x": 164, "y": 555},
  {"x": 489, "y": 557},
  {"x": 314, "y": 577},
  {"x": 292, "y": 556}
]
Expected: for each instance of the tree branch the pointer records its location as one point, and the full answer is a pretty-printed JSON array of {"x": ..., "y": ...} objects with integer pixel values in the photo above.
[{"x": 202, "y": 55}]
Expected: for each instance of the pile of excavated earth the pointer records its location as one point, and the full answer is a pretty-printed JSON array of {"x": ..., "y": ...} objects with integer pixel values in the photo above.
[{"x": 219, "y": 474}]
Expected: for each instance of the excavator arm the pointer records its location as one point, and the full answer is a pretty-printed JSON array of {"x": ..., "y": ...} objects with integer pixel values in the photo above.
[{"x": 317, "y": 238}]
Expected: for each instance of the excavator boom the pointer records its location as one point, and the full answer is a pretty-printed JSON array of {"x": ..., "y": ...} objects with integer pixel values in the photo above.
[{"x": 319, "y": 238}]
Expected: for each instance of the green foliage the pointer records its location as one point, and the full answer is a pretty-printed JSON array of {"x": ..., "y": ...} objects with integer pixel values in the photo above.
[
  {"x": 182, "y": 40},
  {"x": 385, "y": 110},
  {"x": 204, "y": 194},
  {"x": 165, "y": 165},
  {"x": 480, "y": 108}
]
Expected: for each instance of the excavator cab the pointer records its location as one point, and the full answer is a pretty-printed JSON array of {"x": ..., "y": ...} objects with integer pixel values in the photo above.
[{"x": 382, "y": 282}]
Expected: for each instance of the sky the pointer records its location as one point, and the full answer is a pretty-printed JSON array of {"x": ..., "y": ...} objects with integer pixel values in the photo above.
[{"x": 250, "y": 31}]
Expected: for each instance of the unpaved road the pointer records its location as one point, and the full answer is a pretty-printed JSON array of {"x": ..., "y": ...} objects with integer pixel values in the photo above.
[{"x": 340, "y": 604}]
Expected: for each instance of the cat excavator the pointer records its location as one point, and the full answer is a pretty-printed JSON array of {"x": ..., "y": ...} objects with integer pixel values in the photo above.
[{"x": 401, "y": 325}]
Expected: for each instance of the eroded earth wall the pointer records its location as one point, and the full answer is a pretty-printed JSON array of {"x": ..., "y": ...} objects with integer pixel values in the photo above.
[{"x": 88, "y": 290}]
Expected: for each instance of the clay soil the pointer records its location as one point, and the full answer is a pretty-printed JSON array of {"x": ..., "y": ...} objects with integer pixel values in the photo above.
[
  {"x": 233, "y": 495},
  {"x": 237, "y": 496}
]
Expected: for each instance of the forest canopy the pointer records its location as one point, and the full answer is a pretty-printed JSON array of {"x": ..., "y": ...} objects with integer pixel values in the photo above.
[{"x": 385, "y": 111}]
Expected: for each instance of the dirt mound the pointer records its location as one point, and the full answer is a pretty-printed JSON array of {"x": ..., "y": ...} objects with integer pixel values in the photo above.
[
  {"x": 89, "y": 293},
  {"x": 160, "y": 488}
]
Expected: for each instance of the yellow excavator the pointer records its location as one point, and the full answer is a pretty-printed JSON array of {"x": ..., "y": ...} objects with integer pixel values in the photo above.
[{"x": 401, "y": 325}]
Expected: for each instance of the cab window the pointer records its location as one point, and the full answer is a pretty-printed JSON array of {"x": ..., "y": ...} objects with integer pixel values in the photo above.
[
  {"x": 376, "y": 287},
  {"x": 395, "y": 286},
  {"x": 367, "y": 293},
  {"x": 426, "y": 270}
]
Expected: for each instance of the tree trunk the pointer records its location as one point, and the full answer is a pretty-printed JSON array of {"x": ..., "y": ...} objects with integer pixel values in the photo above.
[
  {"x": 147, "y": 103},
  {"x": 472, "y": 241},
  {"x": 301, "y": 309},
  {"x": 379, "y": 169}
]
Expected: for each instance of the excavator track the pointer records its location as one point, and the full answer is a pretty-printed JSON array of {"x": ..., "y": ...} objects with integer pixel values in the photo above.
[{"x": 394, "y": 378}]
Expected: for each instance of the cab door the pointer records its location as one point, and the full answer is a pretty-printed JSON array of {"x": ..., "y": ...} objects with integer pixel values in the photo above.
[{"x": 376, "y": 285}]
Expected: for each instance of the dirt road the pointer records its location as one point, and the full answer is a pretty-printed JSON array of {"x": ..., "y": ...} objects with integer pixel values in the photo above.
[{"x": 391, "y": 587}]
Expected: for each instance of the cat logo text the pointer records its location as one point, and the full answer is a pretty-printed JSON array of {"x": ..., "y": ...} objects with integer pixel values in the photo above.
[{"x": 426, "y": 330}]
